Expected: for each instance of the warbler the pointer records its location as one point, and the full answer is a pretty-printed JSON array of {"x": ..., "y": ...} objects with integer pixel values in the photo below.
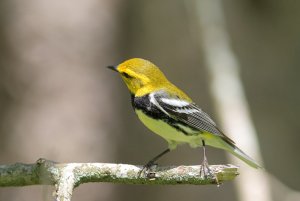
[{"x": 170, "y": 113}]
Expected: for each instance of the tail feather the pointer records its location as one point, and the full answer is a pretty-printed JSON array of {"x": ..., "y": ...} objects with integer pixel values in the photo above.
[
  {"x": 244, "y": 157},
  {"x": 233, "y": 149}
]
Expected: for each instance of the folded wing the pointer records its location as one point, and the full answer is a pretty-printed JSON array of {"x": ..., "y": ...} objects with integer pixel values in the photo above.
[{"x": 187, "y": 113}]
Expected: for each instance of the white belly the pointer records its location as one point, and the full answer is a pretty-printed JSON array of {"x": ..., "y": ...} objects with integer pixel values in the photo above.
[{"x": 169, "y": 133}]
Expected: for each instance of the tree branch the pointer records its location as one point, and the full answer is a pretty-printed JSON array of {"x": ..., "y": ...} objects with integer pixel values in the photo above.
[{"x": 67, "y": 176}]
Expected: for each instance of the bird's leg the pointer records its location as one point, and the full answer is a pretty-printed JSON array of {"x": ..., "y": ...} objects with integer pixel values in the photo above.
[
  {"x": 205, "y": 170},
  {"x": 152, "y": 161},
  {"x": 205, "y": 167}
]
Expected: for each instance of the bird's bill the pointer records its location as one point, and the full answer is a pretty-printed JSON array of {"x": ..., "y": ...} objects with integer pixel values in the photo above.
[{"x": 114, "y": 68}]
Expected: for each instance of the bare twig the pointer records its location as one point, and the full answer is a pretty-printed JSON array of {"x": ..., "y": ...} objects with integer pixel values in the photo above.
[{"x": 67, "y": 176}]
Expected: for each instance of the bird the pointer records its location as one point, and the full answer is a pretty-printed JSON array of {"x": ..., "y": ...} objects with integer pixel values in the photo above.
[{"x": 170, "y": 113}]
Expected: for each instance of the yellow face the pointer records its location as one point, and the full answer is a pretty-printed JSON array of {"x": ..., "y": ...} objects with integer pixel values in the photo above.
[{"x": 141, "y": 75}]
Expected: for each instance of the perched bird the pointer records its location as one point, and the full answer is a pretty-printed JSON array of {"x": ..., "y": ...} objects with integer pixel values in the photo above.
[{"x": 170, "y": 113}]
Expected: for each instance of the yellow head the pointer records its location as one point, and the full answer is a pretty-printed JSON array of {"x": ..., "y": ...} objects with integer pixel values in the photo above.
[
  {"x": 143, "y": 77},
  {"x": 140, "y": 75}
]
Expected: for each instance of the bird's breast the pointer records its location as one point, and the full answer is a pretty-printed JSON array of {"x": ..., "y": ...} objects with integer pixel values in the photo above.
[{"x": 168, "y": 131}]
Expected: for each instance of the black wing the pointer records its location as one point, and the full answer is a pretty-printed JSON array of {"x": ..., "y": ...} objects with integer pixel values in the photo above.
[{"x": 187, "y": 113}]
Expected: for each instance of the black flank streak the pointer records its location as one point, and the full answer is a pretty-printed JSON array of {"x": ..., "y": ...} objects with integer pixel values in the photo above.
[{"x": 143, "y": 103}]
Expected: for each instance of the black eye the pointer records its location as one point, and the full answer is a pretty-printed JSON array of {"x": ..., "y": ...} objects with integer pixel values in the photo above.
[{"x": 126, "y": 75}]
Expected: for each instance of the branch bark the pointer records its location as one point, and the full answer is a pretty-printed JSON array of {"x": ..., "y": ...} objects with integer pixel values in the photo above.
[{"x": 67, "y": 176}]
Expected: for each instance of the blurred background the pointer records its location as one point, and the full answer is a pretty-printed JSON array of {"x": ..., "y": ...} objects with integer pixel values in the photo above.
[{"x": 58, "y": 101}]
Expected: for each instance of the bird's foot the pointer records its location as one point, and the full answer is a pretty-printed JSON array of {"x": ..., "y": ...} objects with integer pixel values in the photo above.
[
  {"x": 205, "y": 172},
  {"x": 148, "y": 170}
]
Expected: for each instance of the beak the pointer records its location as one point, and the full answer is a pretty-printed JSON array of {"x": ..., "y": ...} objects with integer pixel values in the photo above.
[{"x": 114, "y": 68}]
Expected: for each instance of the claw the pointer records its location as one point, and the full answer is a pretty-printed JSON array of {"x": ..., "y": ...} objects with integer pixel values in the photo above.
[
  {"x": 205, "y": 170},
  {"x": 152, "y": 163},
  {"x": 147, "y": 169}
]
